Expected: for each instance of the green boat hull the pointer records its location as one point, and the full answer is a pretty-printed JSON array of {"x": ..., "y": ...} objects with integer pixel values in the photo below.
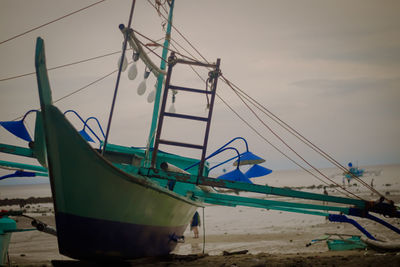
[{"x": 103, "y": 211}]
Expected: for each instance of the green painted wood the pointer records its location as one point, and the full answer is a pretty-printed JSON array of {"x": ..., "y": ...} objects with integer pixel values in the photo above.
[
  {"x": 39, "y": 146},
  {"x": 86, "y": 184},
  {"x": 268, "y": 207},
  {"x": 41, "y": 74},
  {"x": 178, "y": 161},
  {"x": 89, "y": 186},
  {"x": 16, "y": 150},
  {"x": 263, "y": 189},
  {"x": 255, "y": 202},
  {"x": 23, "y": 166},
  {"x": 160, "y": 78}
]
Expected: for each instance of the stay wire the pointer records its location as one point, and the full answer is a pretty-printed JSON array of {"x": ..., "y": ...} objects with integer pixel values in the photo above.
[
  {"x": 197, "y": 51},
  {"x": 194, "y": 48},
  {"x": 260, "y": 135},
  {"x": 248, "y": 107},
  {"x": 61, "y": 66},
  {"x": 69, "y": 64},
  {"x": 286, "y": 144},
  {"x": 82, "y": 88},
  {"x": 314, "y": 147},
  {"x": 274, "y": 146},
  {"x": 50, "y": 22},
  {"x": 251, "y": 127},
  {"x": 300, "y": 136},
  {"x": 170, "y": 50}
]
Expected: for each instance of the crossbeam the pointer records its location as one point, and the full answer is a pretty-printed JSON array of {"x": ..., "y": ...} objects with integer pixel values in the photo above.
[
  {"x": 269, "y": 204},
  {"x": 16, "y": 150},
  {"x": 263, "y": 189}
]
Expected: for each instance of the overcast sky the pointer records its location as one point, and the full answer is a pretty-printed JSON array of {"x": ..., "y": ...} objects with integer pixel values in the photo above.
[{"x": 330, "y": 69}]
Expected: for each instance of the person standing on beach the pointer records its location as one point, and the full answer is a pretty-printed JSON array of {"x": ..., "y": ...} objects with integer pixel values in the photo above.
[{"x": 195, "y": 224}]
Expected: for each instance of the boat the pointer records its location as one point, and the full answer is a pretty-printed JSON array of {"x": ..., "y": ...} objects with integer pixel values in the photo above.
[
  {"x": 102, "y": 211},
  {"x": 353, "y": 171},
  {"x": 119, "y": 203}
]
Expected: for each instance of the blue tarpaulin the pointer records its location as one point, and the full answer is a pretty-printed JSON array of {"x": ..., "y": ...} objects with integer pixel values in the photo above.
[
  {"x": 18, "y": 173},
  {"x": 17, "y": 128}
]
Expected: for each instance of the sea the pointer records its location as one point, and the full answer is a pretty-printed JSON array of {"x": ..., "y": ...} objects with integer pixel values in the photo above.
[{"x": 220, "y": 220}]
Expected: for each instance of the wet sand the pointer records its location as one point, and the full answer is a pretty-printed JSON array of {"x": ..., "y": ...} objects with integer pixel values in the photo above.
[{"x": 280, "y": 248}]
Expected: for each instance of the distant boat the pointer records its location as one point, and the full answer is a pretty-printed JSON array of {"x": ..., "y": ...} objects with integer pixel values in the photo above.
[{"x": 353, "y": 172}]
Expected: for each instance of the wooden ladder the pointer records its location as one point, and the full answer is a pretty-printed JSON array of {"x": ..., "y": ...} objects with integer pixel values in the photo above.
[{"x": 213, "y": 78}]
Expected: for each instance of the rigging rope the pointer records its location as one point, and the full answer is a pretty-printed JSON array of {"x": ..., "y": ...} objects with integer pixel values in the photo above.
[
  {"x": 50, "y": 22},
  {"x": 194, "y": 48},
  {"x": 75, "y": 63},
  {"x": 307, "y": 142},
  {"x": 61, "y": 66},
  {"x": 160, "y": 45},
  {"x": 239, "y": 92},
  {"x": 285, "y": 143},
  {"x": 299, "y": 136},
  {"x": 260, "y": 135}
]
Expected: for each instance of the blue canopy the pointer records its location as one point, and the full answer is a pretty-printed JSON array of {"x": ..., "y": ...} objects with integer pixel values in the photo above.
[
  {"x": 247, "y": 158},
  {"x": 18, "y": 173},
  {"x": 85, "y": 135},
  {"x": 17, "y": 128},
  {"x": 236, "y": 175},
  {"x": 257, "y": 171}
]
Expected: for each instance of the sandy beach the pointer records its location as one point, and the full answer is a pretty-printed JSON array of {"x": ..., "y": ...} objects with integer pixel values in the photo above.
[
  {"x": 280, "y": 249},
  {"x": 234, "y": 236}
]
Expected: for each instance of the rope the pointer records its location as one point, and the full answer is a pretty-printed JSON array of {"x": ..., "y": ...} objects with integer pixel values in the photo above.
[
  {"x": 194, "y": 48},
  {"x": 50, "y": 22},
  {"x": 170, "y": 50},
  {"x": 240, "y": 93},
  {"x": 258, "y": 133},
  {"x": 298, "y": 135},
  {"x": 82, "y": 88},
  {"x": 314, "y": 147},
  {"x": 286, "y": 144},
  {"x": 204, "y": 232},
  {"x": 62, "y": 66}
]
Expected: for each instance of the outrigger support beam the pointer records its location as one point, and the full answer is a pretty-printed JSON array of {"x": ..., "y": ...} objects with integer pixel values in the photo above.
[
  {"x": 343, "y": 218},
  {"x": 361, "y": 206},
  {"x": 17, "y": 150},
  {"x": 268, "y": 204},
  {"x": 23, "y": 166},
  {"x": 263, "y": 189}
]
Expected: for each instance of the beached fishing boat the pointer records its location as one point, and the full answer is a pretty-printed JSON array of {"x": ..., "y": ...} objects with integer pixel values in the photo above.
[
  {"x": 354, "y": 171},
  {"x": 121, "y": 202},
  {"x": 103, "y": 211}
]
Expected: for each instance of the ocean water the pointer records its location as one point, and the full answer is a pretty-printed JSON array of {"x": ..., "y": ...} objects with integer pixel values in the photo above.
[{"x": 25, "y": 191}]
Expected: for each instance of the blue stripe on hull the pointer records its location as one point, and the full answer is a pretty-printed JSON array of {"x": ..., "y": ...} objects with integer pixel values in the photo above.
[{"x": 93, "y": 239}]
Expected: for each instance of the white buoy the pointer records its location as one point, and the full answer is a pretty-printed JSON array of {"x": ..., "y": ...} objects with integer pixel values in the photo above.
[{"x": 124, "y": 63}]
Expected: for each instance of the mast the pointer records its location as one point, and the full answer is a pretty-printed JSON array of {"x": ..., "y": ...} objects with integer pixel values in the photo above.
[{"x": 160, "y": 80}]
